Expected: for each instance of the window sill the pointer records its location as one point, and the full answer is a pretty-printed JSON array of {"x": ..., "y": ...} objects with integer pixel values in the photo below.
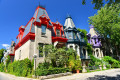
[{"x": 44, "y": 36}]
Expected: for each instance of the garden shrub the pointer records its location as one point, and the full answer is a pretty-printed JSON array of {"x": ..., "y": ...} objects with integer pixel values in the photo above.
[
  {"x": 2, "y": 66},
  {"x": 42, "y": 72},
  {"x": 20, "y": 68},
  {"x": 114, "y": 63},
  {"x": 94, "y": 61}
]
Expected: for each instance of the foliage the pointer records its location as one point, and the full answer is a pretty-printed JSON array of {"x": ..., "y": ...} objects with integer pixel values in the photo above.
[
  {"x": 100, "y": 3},
  {"x": 114, "y": 63},
  {"x": 74, "y": 63},
  {"x": 94, "y": 61},
  {"x": 42, "y": 72},
  {"x": 107, "y": 24},
  {"x": 20, "y": 68},
  {"x": 58, "y": 56},
  {"x": 78, "y": 64},
  {"x": 2, "y": 66},
  {"x": 1, "y": 54},
  {"x": 88, "y": 46},
  {"x": 7, "y": 60}
]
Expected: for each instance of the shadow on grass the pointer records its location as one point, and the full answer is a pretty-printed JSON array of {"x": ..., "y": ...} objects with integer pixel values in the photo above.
[{"x": 102, "y": 77}]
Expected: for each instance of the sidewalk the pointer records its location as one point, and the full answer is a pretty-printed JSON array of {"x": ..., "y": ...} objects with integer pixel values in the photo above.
[{"x": 6, "y": 76}]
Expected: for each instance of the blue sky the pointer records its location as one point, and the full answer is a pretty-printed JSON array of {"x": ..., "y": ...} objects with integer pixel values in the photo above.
[{"x": 14, "y": 13}]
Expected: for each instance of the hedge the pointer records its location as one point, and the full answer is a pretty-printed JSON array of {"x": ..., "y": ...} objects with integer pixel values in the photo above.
[
  {"x": 20, "y": 68},
  {"x": 43, "y": 72}
]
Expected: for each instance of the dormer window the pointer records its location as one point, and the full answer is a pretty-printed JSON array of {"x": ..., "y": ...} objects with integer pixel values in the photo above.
[
  {"x": 74, "y": 35},
  {"x": 43, "y": 27},
  {"x": 57, "y": 33},
  {"x": 69, "y": 35}
]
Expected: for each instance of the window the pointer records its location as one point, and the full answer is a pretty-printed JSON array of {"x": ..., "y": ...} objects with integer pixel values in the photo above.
[
  {"x": 40, "y": 50},
  {"x": 57, "y": 33},
  {"x": 74, "y": 35},
  {"x": 71, "y": 47},
  {"x": 95, "y": 41},
  {"x": 69, "y": 35},
  {"x": 43, "y": 29},
  {"x": 20, "y": 54},
  {"x": 76, "y": 48}
]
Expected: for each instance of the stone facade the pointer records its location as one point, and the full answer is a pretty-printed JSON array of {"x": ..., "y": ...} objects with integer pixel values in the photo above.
[{"x": 38, "y": 32}]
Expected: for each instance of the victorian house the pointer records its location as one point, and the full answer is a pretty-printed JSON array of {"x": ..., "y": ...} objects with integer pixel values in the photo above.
[
  {"x": 95, "y": 40},
  {"x": 75, "y": 38},
  {"x": 39, "y": 31}
]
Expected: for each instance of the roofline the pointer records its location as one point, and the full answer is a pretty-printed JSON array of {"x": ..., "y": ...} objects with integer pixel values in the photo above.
[{"x": 40, "y": 7}]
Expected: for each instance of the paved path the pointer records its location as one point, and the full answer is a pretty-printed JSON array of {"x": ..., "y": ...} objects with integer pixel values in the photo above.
[
  {"x": 5, "y": 76},
  {"x": 113, "y": 74}
]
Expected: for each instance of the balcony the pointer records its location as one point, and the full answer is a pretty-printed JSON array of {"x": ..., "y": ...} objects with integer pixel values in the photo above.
[{"x": 85, "y": 58}]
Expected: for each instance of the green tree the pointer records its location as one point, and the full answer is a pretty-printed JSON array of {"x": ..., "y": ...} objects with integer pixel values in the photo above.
[
  {"x": 1, "y": 54},
  {"x": 107, "y": 24},
  {"x": 88, "y": 46},
  {"x": 100, "y": 3},
  {"x": 58, "y": 56}
]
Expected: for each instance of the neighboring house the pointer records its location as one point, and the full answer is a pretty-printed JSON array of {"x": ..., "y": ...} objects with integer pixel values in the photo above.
[
  {"x": 39, "y": 31},
  {"x": 95, "y": 40},
  {"x": 76, "y": 40},
  {"x": 9, "y": 51},
  {"x": 6, "y": 53}
]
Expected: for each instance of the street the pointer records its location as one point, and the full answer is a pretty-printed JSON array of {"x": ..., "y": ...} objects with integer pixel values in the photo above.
[{"x": 112, "y": 74}]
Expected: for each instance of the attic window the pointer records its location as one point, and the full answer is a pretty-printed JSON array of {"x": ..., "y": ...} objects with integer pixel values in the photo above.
[{"x": 57, "y": 33}]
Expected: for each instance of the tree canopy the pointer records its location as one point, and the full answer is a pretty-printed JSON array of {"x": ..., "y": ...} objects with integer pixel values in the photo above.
[
  {"x": 107, "y": 24},
  {"x": 100, "y": 3},
  {"x": 1, "y": 54}
]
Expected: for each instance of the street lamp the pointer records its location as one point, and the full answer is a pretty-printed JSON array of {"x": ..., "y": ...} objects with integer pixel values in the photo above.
[{"x": 35, "y": 57}]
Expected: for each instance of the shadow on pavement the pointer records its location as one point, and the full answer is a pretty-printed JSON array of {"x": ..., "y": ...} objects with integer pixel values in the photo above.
[{"x": 102, "y": 77}]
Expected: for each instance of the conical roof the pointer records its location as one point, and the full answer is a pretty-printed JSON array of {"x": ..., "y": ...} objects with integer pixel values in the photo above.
[
  {"x": 69, "y": 23},
  {"x": 92, "y": 31}
]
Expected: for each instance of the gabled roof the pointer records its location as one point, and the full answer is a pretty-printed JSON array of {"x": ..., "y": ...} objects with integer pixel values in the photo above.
[{"x": 69, "y": 23}]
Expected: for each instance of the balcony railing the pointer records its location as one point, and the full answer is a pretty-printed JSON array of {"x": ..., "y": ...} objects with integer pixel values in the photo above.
[{"x": 85, "y": 57}]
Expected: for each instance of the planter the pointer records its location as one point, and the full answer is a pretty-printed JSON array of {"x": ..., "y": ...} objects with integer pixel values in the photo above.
[{"x": 77, "y": 71}]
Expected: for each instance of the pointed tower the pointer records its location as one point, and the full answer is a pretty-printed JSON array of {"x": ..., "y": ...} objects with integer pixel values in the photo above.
[{"x": 75, "y": 38}]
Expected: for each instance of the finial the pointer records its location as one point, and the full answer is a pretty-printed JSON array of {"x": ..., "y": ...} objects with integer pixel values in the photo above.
[{"x": 68, "y": 15}]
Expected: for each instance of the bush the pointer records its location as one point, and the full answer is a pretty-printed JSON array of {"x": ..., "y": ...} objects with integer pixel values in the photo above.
[
  {"x": 114, "y": 63},
  {"x": 42, "y": 72},
  {"x": 2, "y": 66},
  {"x": 20, "y": 68},
  {"x": 94, "y": 61}
]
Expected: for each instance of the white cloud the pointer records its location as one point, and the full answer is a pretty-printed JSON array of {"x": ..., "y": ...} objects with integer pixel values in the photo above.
[{"x": 6, "y": 45}]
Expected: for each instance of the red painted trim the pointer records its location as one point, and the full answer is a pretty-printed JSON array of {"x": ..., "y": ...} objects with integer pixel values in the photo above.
[
  {"x": 59, "y": 39},
  {"x": 31, "y": 25},
  {"x": 37, "y": 23},
  {"x": 29, "y": 21},
  {"x": 39, "y": 7},
  {"x": 29, "y": 36},
  {"x": 12, "y": 54},
  {"x": 36, "y": 14}
]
